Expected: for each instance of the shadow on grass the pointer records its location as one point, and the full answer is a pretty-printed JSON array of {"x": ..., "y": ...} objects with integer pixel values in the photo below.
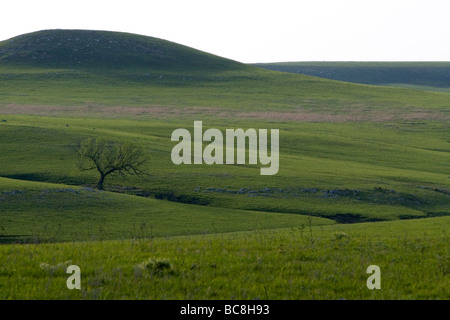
[
  {"x": 16, "y": 238},
  {"x": 352, "y": 218},
  {"x": 43, "y": 177},
  {"x": 29, "y": 176}
]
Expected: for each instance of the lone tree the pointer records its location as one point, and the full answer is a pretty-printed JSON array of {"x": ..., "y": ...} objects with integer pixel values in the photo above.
[{"x": 110, "y": 158}]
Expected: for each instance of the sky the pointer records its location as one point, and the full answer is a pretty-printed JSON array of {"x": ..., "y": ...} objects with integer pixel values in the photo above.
[{"x": 253, "y": 31}]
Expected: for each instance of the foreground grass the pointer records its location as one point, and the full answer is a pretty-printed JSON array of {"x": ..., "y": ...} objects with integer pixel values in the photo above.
[{"x": 327, "y": 262}]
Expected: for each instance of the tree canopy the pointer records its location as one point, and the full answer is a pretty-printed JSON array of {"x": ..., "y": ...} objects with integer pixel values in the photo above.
[{"x": 110, "y": 158}]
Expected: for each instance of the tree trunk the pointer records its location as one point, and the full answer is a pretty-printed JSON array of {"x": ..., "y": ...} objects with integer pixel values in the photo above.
[{"x": 100, "y": 182}]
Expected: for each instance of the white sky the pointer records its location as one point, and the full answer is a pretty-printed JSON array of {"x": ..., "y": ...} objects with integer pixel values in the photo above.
[{"x": 257, "y": 30}]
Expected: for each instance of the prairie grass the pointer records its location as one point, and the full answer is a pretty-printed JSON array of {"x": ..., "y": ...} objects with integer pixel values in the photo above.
[{"x": 326, "y": 262}]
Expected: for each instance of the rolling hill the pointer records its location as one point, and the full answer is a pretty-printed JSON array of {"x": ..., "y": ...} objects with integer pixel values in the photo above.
[
  {"x": 78, "y": 67},
  {"x": 101, "y": 49}
]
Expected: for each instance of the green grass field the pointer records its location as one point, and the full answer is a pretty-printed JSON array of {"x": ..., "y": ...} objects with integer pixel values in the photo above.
[
  {"x": 363, "y": 178},
  {"x": 328, "y": 262}
]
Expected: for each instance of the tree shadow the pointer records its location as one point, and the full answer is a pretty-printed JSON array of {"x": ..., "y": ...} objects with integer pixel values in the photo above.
[{"x": 15, "y": 239}]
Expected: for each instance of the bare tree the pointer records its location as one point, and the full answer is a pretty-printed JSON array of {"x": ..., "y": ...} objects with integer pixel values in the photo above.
[{"x": 110, "y": 158}]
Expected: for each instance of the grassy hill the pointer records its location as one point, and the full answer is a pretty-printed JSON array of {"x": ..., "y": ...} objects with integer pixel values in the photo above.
[
  {"x": 34, "y": 212},
  {"x": 76, "y": 68},
  {"x": 373, "y": 172},
  {"x": 100, "y": 49},
  {"x": 434, "y": 76}
]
